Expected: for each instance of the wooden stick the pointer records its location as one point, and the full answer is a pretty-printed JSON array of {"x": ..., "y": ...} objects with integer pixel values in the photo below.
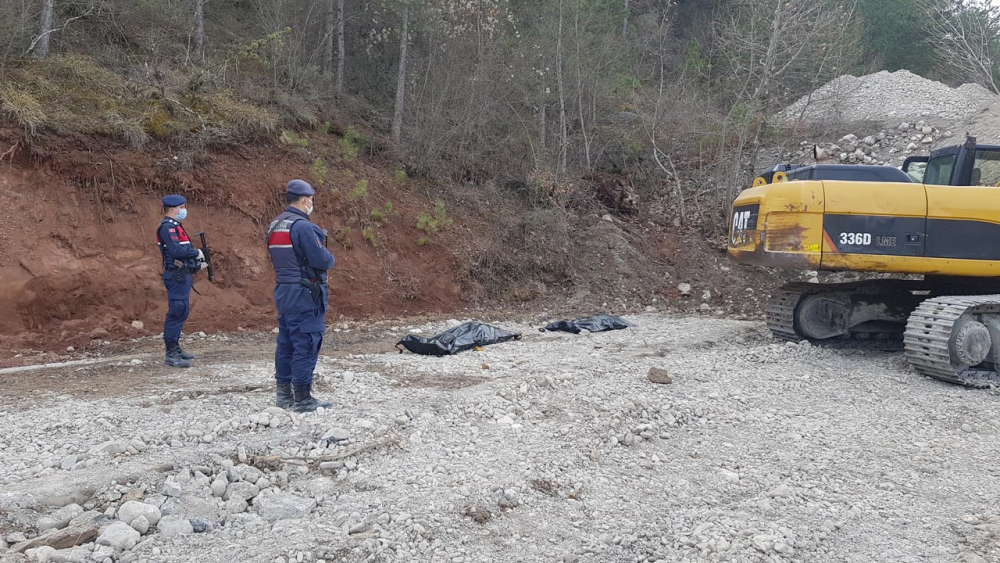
[{"x": 298, "y": 460}]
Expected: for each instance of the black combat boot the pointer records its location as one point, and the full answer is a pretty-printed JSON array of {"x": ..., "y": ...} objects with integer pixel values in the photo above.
[
  {"x": 173, "y": 358},
  {"x": 184, "y": 354},
  {"x": 285, "y": 397},
  {"x": 304, "y": 401}
]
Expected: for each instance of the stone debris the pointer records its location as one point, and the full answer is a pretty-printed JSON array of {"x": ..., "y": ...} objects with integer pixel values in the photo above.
[
  {"x": 764, "y": 451},
  {"x": 889, "y": 96},
  {"x": 659, "y": 375}
]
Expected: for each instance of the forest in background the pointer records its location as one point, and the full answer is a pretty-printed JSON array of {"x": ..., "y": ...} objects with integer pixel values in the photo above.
[{"x": 677, "y": 96}]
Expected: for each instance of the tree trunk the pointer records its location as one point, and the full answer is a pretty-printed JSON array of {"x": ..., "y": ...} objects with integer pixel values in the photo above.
[
  {"x": 41, "y": 49},
  {"x": 579, "y": 88},
  {"x": 328, "y": 41},
  {"x": 562, "y": 96},
  {"x": 625, "y": 21},
  {"x": 340, "y": 47},
  {"x": 397, "y": 116},
  {"x": 541, "y": 117},
  {"x": 199, "y": 29}
]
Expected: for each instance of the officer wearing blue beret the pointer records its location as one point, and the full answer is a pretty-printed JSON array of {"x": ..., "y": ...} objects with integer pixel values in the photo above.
[
  {"x": 301, "y": 260},
  {"x": 180, "y": 261}
]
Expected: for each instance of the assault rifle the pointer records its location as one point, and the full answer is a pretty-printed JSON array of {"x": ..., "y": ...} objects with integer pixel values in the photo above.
[{"x": 208, "y": 254}]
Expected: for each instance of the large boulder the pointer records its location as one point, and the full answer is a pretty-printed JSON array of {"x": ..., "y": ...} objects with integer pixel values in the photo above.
[
  {"x": 134, "y": 509},
  {"x": 119, "y": 536}
]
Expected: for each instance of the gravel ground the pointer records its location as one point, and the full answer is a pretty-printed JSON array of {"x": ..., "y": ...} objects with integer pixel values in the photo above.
[{"x": 554, "y": 448}]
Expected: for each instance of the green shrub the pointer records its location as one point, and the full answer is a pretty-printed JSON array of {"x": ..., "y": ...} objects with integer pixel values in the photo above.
[
  {"x": 318, "y": 171},
  {"x": 291, "y": 138},
  {"x": 353, "y": 143},
  {"x": 369, "y": 235},
  {"x": 437, "y": 220},
  {"x": 360, "y": 190}
]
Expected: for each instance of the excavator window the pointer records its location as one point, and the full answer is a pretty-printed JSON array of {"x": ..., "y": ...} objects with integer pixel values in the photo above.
[
  {"x": 939, "y": 170},
  {"x": 986, "y": 171}
]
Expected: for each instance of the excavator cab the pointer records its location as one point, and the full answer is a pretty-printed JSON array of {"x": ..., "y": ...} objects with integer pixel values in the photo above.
[
  {"x": 936, "y": 217},
  {"x": 968, "y": 164}
]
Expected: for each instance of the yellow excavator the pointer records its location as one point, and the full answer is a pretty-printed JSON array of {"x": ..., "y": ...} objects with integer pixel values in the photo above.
[{"x": 935, "y": 221}]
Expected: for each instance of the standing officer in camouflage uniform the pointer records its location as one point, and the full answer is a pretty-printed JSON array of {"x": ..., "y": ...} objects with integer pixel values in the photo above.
[
  {"x": 301, "y": 260},
  {"x": 180, "y": 261}
]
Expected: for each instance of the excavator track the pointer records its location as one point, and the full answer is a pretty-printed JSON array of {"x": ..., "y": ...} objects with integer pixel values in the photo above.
[
  {"x": 953, "y": 338},
  {"x": 930, "y": 339},
  {"x": 780, "y": 315}
]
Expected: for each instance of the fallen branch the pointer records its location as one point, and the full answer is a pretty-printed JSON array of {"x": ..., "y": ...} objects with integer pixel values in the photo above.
[{"x": 305, "y": 461}]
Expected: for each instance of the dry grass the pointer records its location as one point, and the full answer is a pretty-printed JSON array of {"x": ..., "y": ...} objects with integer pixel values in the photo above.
[
  {"x": 478, "y": 514},
  {"x": 243, "y": 119},
  {"x": 129, "y": 131},
  {"x": 298, "y": 110},
  {"x": 22, "y": 108},
  {"x": 545, "y": 486}
]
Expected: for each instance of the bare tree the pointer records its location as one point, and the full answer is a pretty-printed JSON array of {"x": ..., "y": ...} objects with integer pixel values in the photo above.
[
  {"x": 340, "y": 47},
  {"x": 397, "y": 116},
  {"x": 579, "y": 88},
  {"x": 199, "y": 29},
  {"x": 970, "y": 38},
  {"x": 541, "y": 115},
  {"x": 40, "y": 47},
  {"x": 564, "y": 133},
  {"x": 625, "y": 21},
  {"x": 328, "y": 38},
  {"x": 771, "y": 48}
]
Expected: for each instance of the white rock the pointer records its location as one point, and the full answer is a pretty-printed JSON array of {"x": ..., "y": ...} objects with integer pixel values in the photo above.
[
  {"x": 134, "y": 509},
  {"x": 60, "y": 518},
  {"x": 219, "y": 487},
  {"x": 43, "y": 554},
  {"x": 782, "y": 490},
  {"x": 171, "y": 488},
  {"x": 112, "y": 447},
  {"x": 966, "y": 427},
  {"x": 140, "y": 524},
  {"x": 137, "y": 325},
  {"x": 282, "y": 506},
  {"x": 337, "y": 435},
  {"x": 684, "y": 289},
  {"x": 119, "y": 535},
  {"x": 171, "y": 526},
  {"x": 241, "y": 490},
  {"x": 69, "y": 461}
]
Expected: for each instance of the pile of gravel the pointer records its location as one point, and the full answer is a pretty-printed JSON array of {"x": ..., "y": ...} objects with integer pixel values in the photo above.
[{"x": 889, "y": 96}]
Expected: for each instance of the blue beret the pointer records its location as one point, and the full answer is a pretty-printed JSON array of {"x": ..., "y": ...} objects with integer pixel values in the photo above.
[
  {"x": 300, "y": 187},
  {"x": 174, "y": 200}
]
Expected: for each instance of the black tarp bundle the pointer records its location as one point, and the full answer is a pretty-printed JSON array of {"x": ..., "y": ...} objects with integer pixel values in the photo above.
[
  {"x": 596, "y": 323},
  {"x": 459, "y": 339}
]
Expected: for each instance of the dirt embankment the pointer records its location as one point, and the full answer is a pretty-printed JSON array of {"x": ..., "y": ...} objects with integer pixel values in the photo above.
[
  {"x": 79, "y": 262},
  {"x": 78, "y": 256}
]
